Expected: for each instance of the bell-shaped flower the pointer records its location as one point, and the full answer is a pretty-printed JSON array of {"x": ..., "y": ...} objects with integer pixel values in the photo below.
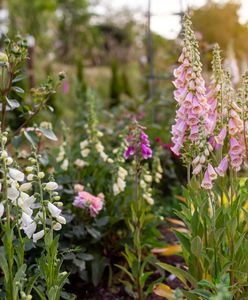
[
  {"x": 207, "y": 182},
  {"x": 222, "y": 167},
  {"x": 54, "y": 210},
  {"x": 16, "y": 174},
  {"x": 38, "y": 235},
  {"x": 51, "y": 186}
]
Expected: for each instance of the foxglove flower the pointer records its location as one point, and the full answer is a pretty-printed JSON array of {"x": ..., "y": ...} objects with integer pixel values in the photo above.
[
  {"x": 190, "y": 125},
  {"x": 138, "y": 143},
  {"x": 89, "y": 202}
]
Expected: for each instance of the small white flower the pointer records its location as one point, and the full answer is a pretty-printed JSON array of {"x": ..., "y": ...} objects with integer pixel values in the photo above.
[
  {"x": 51, "y": 186},
  {"x": 38, "y": 235},
  {"x": 30, "y": 229},
  {"x": 61, "y": 219},
  {"x": 30, "y": 177},
  {"x": 116, "y": 189},
  {"x": 148, "y": 178},
  {"x": 104, "y": 156},
  {"x": 41, "y": 175},
  {"x": 122, "y": 171},
  {"x": 84, "y": 144},
  {"x": 54, "y": 210},
  {"x": 202, "y": 159},
  {"x": 85, "y": 152},
  {"x": 1, "y": 209},
  {"x": 4, "y": 154},
  {"x": 16, "y": 174},
  {"x": 57, "y": 226},
  {"x": 9, "y": 161},
  {"x": 99, "y": 147},
  {"x": 142, "y": 184},
  {"x": 26, "y": 220},
  {"x": 121, "y": 184},
  {"x": 80, "y": 163},
  {"x": 25, "y": 187},
  {"x": 29, "y": 169},
  {"x": 65, "y": 165},
  {"x": 12, "y": 193},
  {"x": 110, "y": 161},
  {"x": 99, "y": 134}
]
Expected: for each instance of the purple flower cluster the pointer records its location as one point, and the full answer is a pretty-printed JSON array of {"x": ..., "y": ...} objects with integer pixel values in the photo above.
[{"x": 138, "y": 142}]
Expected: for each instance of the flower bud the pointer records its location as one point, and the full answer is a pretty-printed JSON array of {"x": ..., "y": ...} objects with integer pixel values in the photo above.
[
  {"x": 9, "y": 161},
  {"x": 56, "y": 198},
  {"x": 41, "y": 175},
  {"x": 4, "y": 154},
  {"x": 29, "y": 169},
  {"x": 57, "y": 226},
  {"x": 61, "y": 219},
  {"x": 30, "y": 177},
  {"x": 202, "y": 159},
  {"x": 25, "y": 187},
  {"x": 50, "y": 186}
]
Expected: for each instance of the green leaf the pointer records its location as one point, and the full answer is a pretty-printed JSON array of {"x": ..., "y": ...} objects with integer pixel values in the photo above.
[
  {"x": 40, "y": 293},
  {"x": 4, "y": 265},
  {"x": 31, "y": 138},
  {"x": 182, "y": 275},
  {"x": 12, "y": 103},
  {"x": 17, "y": 89},
  {"x": 196, "y": 246},
  {"x": 19, "y": 77},
  {"x": 31, "y": 283},
  {"x": 48, "y": 133},
  {"x": 144, "y": 277},
  {"x": 125, "y": 271}
]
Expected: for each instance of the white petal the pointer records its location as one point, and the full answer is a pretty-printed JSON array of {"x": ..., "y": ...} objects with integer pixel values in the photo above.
[
  {"x": 38, "y": 235},
  {"x": 30, "y": 229},
  {"x": 50, "y": 186},
  {"x": 1, "y": 210},
  {"x": 13, "y": 193},
  {"x": 57, "y": 226},
  {"x": 16, "y": 174},
  {"x": 26, "y": 220},
  {"x": 25, "y": 187},
  {"x": 54, "y": 210},
  {"x": 61, "y": 220}
]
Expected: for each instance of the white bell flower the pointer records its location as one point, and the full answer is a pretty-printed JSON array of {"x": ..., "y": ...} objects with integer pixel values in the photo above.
[
  {"x": 25, "y": 187},
  {"x": 38, "y": 235},
  {"x": 54, "y": 210},
  {"x": 61, "y": 219},
  {"x": 57, "y": 226},
  {"x": 51, "y": 186},
  {"x": 13, "y": 193},
  {"x": 30, "y": 229},
  {"x": 16, "y": 174}
]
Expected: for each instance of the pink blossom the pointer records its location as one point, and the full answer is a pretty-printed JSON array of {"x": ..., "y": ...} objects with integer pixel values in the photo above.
[
  {"x": 211, "y": 172},
  {"x": 207, "y": 182},
  {"x": 222, "y": 167},
  {"x": 85, "y": 200},
  {"x": 221, "y": 136}
]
